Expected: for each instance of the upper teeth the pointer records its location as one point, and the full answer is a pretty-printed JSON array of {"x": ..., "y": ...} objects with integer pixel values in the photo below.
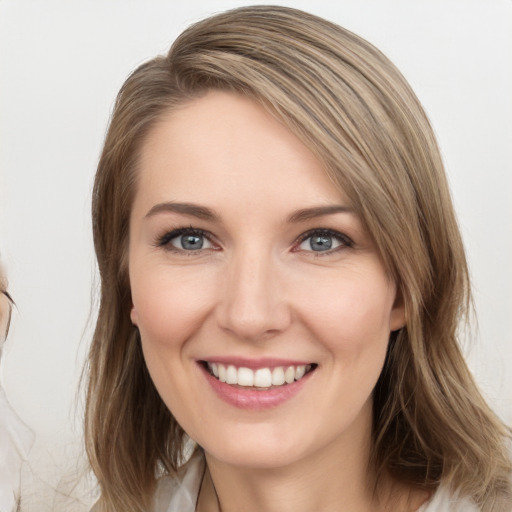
[{"x": 260, "y": 378}]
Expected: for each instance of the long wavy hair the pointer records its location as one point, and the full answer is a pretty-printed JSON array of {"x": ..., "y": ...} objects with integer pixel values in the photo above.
[{"x": 349, "y": 104}]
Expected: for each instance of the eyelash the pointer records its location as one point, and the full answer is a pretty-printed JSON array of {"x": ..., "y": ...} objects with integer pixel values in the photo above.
[{"x": 164, "y": 240}]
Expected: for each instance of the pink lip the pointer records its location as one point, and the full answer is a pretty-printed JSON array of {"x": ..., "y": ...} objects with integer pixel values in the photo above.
[{"x": 250, "y": 399}]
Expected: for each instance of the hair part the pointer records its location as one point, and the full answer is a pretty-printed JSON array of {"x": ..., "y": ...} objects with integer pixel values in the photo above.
[{"x": 356, "y": 112}]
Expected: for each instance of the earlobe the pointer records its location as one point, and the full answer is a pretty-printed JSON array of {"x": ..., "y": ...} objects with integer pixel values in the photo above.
[
  {"x": 134, "y": 317},
  {"x": 398, "y": 318}
]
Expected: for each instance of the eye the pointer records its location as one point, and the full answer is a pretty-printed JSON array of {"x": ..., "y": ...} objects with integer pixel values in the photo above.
[
  {"x": 185, "y": 239},
  {"x": 323, "y": 241}
]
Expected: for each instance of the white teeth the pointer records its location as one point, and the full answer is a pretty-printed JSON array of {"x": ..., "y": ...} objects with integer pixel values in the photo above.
[
  {"x": 263, "y": 378},
  {"x": 222, "y": 372},
  {"x": 245, "y": 377},
  {"x": 289, "y": 374},
  {"x": 231, "y": 375},
  {"x": 299, "y": 372},
  {"x": 260, "y": 378},
  {"x": 278, "y": 376}
]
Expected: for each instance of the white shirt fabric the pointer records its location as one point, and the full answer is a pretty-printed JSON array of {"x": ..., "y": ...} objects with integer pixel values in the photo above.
[
  {"x": 444, "y": 501},
  {"x": 180, "y": 494},
  {"x": 15, "y": 442}
]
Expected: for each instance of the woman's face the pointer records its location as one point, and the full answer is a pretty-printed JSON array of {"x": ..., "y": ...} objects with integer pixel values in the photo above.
[{"x": 245, "y": 261}]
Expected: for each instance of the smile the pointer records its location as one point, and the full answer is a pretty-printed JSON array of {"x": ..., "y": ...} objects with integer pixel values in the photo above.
[
  {"x": 260, "y": 378},
  {"x": 256, "y": 385}
]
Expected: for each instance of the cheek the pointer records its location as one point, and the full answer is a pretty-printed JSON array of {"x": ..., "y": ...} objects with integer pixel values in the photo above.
[
  {"x": 350, "y": 313},
  {"x": 350, "y": 318},
  {"x": 169, "y": 307},
  {"x": 169, "y": 303}
]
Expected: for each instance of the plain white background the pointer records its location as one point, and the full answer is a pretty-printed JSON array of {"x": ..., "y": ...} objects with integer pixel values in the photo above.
[{"x": 61, "y": 65}]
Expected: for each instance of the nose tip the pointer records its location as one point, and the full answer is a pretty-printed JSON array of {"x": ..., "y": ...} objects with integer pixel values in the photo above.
[{"x": 253, "y": 306}]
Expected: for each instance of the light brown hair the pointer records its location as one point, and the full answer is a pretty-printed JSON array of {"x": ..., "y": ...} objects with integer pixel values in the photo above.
[{"x": 356, "y": 112}]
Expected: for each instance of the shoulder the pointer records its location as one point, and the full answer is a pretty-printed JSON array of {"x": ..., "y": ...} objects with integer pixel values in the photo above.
[
  {"x": 445, "y": 501},
  {"x": 179, "y": 493}
]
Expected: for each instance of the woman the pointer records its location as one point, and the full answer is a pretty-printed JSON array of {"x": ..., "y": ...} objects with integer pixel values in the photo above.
[{"x": 282, "y": 280}]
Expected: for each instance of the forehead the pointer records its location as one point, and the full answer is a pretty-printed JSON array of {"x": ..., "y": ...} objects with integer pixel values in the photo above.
[{"x": 225, "y": 145}]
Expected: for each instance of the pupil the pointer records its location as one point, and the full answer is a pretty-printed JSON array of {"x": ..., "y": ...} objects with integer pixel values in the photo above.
[
  {"x": 191, "y": 242},
  {"x": 321, "y": 243}
]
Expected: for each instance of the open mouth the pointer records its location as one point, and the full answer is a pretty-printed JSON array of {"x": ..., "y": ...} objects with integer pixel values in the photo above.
[{"x": 260, "y": 378}]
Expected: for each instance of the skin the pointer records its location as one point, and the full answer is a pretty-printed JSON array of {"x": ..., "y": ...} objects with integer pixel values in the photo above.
[{"x": 257, "y": 289}]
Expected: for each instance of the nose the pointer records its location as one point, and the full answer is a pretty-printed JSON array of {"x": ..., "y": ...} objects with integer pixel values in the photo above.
[{"x": 253, "y": 305}]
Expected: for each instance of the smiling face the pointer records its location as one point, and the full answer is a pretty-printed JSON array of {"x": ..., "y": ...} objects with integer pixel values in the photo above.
[{"x": 247, "y": 263}]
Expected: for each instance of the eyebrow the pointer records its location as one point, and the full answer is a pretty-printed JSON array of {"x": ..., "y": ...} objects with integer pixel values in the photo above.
[
  {"x": 204, "y": 213},
  {"x": 318, "y": 211},
  {"x": 194, "y": 210}
]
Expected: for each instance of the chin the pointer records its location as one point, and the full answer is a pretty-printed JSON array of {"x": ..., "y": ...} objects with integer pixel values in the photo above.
[
  {"x": 255, "y": 450},
  {"x": 255, "y": 457}
]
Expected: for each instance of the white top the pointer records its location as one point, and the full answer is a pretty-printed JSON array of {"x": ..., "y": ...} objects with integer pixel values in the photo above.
[
  {"x": 180, "y": 494},
  {"x": 444, "y": 501}
]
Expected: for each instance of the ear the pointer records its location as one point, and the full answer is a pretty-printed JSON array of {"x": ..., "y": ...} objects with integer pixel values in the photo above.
[
  {"x": 397, "y": 319},
  {"x": 134, "y": 317}
]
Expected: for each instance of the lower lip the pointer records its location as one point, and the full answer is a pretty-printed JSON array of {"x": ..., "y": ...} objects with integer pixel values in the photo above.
[{"x": 253, "y": 400}]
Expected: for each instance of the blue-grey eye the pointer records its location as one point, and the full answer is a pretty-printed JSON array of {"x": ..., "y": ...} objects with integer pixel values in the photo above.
[
  {"x": 321, "y": 242},
  {"x": 190, "y": 242}
]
